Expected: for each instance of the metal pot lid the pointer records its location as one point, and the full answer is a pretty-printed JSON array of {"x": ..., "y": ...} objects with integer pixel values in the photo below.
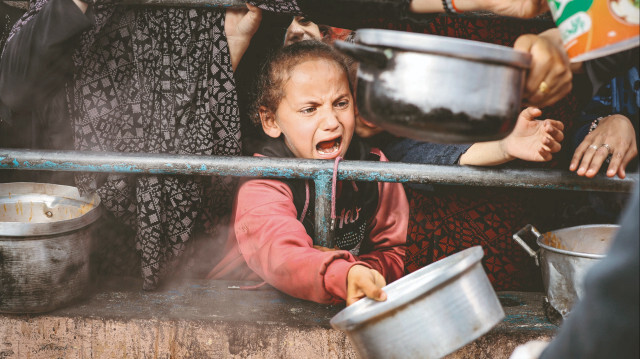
[
  {"x": 408, "y": 288},
  {"x": 442, "y": 45}
]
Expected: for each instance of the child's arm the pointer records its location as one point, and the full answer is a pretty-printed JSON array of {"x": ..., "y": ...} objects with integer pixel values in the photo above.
[
  {"x": 389, "y": 231},
  {"x": 531, "y": 140},
  {"x": 276, "y": 246},
  {"x": 239, "y": 27}
]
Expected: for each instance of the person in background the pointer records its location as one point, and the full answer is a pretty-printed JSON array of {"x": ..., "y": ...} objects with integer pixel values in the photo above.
[
  {"x": 107, "y": 77},
  {"x": 302, "y": 29}
]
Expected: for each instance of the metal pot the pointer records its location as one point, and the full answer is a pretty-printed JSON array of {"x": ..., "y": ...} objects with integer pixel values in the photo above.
[
  {"x": 428, "y": 313},
  {"x": 45, "y": 244},
  {"x": 565, "y": 256},
  {"x": 437, "y": 88}
]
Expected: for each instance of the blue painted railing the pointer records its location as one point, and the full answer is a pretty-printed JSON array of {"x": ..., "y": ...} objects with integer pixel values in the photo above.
[{"x": 317, "y": 170}]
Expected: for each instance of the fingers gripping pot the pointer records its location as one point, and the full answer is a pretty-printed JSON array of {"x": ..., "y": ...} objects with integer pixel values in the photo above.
[
  {"x": 565, "y": 256},
  {"x": 436, "y": 88},
  {"x": 45, "y": 245},
  {"x": 428, "y": 313}
]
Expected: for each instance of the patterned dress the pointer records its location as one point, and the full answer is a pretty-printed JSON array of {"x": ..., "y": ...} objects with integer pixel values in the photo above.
[{"x": 155, "y": 80}]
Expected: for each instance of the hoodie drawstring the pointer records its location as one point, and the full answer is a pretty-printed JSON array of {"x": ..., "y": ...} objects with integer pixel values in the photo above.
[{"x": 333, "y": 192}]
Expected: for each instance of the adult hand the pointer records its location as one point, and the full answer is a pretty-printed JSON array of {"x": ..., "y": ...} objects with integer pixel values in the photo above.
[
  {"x": 533, "y": 140},
  {"x": 240, "y": 25},
  {"x": 616, "y": 131},
  {"x": 550, "y": 76},
  {"x": 364, "y": 282},
  {"x": 516, "y": 8}
]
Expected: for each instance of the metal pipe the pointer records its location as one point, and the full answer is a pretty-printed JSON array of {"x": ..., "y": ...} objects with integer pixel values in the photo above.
[
  {"x": 169, "y": 164},
  {"x": 317, "y": 170},
  {"x": 324, "y": 226}
]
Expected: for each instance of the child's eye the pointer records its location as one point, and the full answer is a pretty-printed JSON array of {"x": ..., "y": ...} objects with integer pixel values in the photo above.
[
  {"x": 342, "y": 104},
  {"x": 307, "y": 110}
]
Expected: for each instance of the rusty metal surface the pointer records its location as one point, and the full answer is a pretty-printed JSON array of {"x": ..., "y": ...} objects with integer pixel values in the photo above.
[
  {"x": 317, "y": 170},
  {"x": 135, "y": 163}
]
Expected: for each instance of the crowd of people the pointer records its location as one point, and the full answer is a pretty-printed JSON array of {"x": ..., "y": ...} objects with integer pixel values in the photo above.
[{"x": 265, "y": 81}]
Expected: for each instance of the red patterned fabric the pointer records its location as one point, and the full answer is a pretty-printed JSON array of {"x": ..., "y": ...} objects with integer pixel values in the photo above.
[{"x": 442, "y": 223}]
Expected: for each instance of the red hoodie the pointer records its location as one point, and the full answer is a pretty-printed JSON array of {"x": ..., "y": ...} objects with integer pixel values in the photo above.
[{"x": 269, "y": 243}]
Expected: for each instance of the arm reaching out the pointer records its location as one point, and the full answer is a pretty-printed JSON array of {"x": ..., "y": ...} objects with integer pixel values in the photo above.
[
  {"x": 240, "y": 26},
  {"x": 530, "y": 140}
]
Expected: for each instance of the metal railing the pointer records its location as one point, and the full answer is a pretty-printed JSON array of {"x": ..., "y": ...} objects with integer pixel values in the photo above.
[{"x": 319, "y": 171}]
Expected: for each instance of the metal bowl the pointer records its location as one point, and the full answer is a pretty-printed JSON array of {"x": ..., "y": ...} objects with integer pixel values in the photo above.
[
  {"x": 45, "y": 245},
  {"x": 428, "y": 313},
  {"x": 437, "y": 88}
]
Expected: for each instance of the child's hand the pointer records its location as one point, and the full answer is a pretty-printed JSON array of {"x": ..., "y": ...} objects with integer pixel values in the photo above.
[
  {"x": 533, "y": 140},
  {"x": 363, "y": 281},
  {"x": 617, "y": 132}
]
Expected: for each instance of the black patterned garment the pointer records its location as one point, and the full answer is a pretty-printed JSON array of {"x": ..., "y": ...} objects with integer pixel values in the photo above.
[{"x": 155, "y": 80}]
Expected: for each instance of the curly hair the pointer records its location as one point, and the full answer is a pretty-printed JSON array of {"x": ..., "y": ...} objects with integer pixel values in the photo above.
[{"x": 276, "y": 71}]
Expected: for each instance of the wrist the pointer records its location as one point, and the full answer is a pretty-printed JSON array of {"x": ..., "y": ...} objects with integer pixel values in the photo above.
[
  {"x": 504, "y": 146},
  {"x": 468, "y": 5},
  {"x": 83, "y": 5}
]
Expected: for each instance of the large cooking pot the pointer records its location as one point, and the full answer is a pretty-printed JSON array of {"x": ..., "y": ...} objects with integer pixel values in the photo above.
[
  {"x": 565, "y": 256},
  {"x": 437, "y": 88},
  {"x": 428, "y": 313},
  {"x": 45, "y": 244}
]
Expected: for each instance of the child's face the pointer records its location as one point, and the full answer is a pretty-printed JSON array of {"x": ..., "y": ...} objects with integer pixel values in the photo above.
[{"x": 316, "y": 113}]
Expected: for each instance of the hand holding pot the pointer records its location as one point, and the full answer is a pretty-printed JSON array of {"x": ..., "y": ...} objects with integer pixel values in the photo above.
[
  {"x": 550, "y": 76},
  {"x": 364, "y": 282}
]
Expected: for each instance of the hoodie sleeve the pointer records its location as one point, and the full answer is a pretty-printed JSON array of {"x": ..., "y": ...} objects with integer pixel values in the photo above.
[
  {"x": 389, "y": 230},
  {"x": 276, "y": 246},
  {"x": 37, "y": 56}
]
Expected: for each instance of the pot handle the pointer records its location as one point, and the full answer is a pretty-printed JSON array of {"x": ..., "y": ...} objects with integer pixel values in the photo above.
[
  {"x": 364, "y": 53},
  {"x": 523, "y": 244}
]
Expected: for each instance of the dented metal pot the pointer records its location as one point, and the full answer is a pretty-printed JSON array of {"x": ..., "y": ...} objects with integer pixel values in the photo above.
[
  {"x": 437, "y": 88},
  {"x": 428, "y": 313},
  {"x": 565, "y": 256},
  {"x": 45, "y": 245}
]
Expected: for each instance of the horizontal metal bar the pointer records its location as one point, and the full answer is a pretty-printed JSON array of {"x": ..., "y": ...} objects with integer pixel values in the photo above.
[
  {"x": 184, "y": 3},
  {"x": 307, "y": 169}
]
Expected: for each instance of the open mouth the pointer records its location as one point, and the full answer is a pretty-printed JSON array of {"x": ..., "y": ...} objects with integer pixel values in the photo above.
[{"x": 329, "y": 147}]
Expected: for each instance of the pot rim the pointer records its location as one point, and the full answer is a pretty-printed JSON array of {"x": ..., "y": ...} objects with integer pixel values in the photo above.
[
  {"x": 573, "y": 253},
  {"x": 16, "y": 230},
  {"x": 446, "y": 46},
  {"x": 423, "y": 281}
]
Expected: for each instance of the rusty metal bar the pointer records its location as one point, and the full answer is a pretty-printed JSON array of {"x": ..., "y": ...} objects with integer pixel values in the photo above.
[
  {"x": 324, "y": 235},
  {"x": 316, "y": 170}
]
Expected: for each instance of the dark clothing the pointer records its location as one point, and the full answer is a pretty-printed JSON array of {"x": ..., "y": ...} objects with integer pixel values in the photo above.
[
  {"x": 355, "y": 205},
  {"x": 135, "y": 79},
  {"x": 604, "y": 324}
]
